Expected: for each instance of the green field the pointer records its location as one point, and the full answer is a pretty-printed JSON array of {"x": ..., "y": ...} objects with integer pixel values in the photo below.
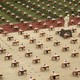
[{"x": 47, "y": 7}]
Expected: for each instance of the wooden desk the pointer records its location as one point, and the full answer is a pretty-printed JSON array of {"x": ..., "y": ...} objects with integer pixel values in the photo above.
[
  {"x": 56, "y": 43},
  {"x": 44, "y": 68},
  {"x": 5, "y": 33},
  {"x": 14, "y": 64},
  {"x": 9, "y": 38},
  {"x": 21, "y": 48},
  {"x": 37, "y": 60},
  {"x": 73, "y": 30},
  {"x": 65, "y": 64},
  {"x": 1, "y": 30},
  {"x": 42, "y": 34},
  {"x": 76, "y": 54},
  {"x": 39, "y": 45},
  {"x": 73, "y": 41},
  {"x": 49, "y": 38},
  {"x": 15, "y": 43},
  {"x": 2, "y": 50},
  {"x": 76, "y": 73},
  {"x": 22, "y": 72},
  {"x": 65, "y": 49},
  {"x": 8, "y": 57},
  {"x": 51, "y": 28},
  {"x": 16, "y": 28},
  {"x": 54, "y": 77},
  {"x": 55, "y": 57},
  {"x": 46, "y": 51},
  {"x": 36, "y": 30},
  {"x": 20, "y": 32},
  {"x": 32, "y": 40},
  {"x": 26, "y": 36},
  {"x": 28, "y": 54}
]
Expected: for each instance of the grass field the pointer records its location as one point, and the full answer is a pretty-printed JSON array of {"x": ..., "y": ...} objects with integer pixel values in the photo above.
[{"x": 49, "y": 8}]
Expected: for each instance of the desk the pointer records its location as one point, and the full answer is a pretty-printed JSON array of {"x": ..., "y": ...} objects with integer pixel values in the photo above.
[
  {"x": 46, "y": 51},
  {"x": 16, "y": 28},
  {"x": 54, "y": 77},
  {"x": 55, "y": 57},
  {"x": 22, "y": 72},
  {"x": 37, "y": 60},
  {"x": 32, "y": 40},
  {"x": 73, "y": 41},
  {"x": 65, "y": 49},
  {"x": 1, "y": 30},
  {"x": 56, "y": 43},
  {"x": 44, "y": 68},
  {"x": 76, "y": 73},
  {"x": 8, "y": 57},
  {"x": 49, "y": 38},
  {"x": 14, "y": 64},
  {"x": 36, "y": 29},
  {"x": 2, "y": 50},
  {"x": 39, "y": 45},
  {"x": 26, "y": 36},
  {"x": 51, "y": 28},
  {"x": 5, "y": 33},
  {"x": 28, "y": 54},
  {"x": 9, "y": 38},
  {"x": 21, "y": 48},
  {"x": 15, "y": 43},
  {"x": 20, "y": 32},
  {"x": 73, "y": 30},
  {"x": 42, "y": 34},
  {"x": 65, "y": 64},
  {"x": 76, "y": 54}
]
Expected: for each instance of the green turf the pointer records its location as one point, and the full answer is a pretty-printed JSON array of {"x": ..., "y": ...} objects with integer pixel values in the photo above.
[{"x": 38, "y": 16}]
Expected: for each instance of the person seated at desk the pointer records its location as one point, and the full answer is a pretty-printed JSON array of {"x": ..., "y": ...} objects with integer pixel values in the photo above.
[
  {"x": 42, "y": 33},
  {"x": 22, "y": 71},
  {"x": 75, "y": 53},
  {"x": 49, "y": 38},
  {"x": 73, "y": 29},
  {"x": 20, "y": 31},
  {"x": 65, "y": 64},
  {"x": 47, "y": 50},
  {"x": 36, "y": 29},
  {"x": 39, "y": 45},
  {"x": 56, "y": 43},
  {"x": 36, "y": 59},
  {"x": 9, "y": 38},
  {"x": 5, "y": 33},
  {"x": 32, "y": 40},
  {"x": 44, "y": 67},
  {"x": 22, "y": 47},
  {"x": 31, "y": 78},
  {"x": 28, "y": 53},
  {"x": 2, "y": 50},
  {"x": 73, "y": 40},
  {"x": 15, "y": 42},
  {"x": 76, "y": 72},
  {"x": 8, "y": 56},
  {"x": 65, "y": 48},
  {"x": 14, "y": 63},
  {"x": 54, "y": 76},
  {"x": 26, "y": 36},
  {"x": 55, "y": 57}
]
